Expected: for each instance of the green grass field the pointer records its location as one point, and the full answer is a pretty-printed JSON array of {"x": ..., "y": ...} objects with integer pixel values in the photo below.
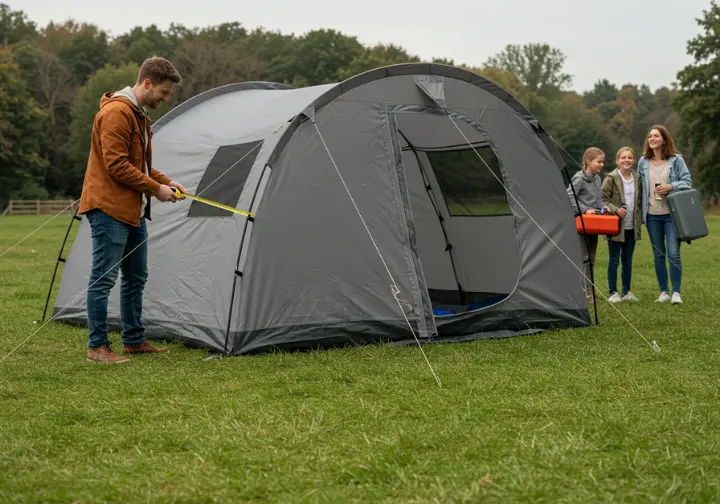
[{"x": 566, "y": 416}]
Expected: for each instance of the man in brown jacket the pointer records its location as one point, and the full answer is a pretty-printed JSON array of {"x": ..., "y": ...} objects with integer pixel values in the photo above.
[{"x": 119, "y": 183}]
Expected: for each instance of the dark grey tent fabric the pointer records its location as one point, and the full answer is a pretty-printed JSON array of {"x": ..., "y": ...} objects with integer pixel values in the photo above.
[{"x": 366, "y": 225}]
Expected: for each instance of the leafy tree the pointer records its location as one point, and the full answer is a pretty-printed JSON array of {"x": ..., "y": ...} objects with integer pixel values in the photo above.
[
  {"x": 141, "y": 43},
  {"x": 443, "y": 61},
  {"x": 625, "y": 108},
  {"x": 205, "y": 64},
  {"x": 538, "y": 66},
  {"x": 52, "y": 85},
  {"x": 506, "y": 79},
  {"x": 14, "y": 26},
  {"x": 377, "y": 56},
  {"x": 602, "y": 92},
  {"x": 575, "y": 128},
  {"x": 698, "y": 101},
  {"x": 21, "y": 135},
  {"x": 86, "y": 48},
  {"x": 321, "y": 55},
  {"x": 55, "y": 63},
  {"x": 274, "y": 50}
]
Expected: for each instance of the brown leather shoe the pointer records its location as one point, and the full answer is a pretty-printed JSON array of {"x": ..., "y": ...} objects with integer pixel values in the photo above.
[
  {"x": 105, "y": 355},
  {"x": 143, "y": 347}
]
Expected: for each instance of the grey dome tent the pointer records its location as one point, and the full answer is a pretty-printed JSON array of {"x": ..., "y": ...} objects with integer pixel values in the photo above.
[{"x": 378, "y": 207}]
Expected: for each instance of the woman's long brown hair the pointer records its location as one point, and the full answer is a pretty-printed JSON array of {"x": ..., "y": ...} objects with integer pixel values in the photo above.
[{"x": 668, "y": 148}]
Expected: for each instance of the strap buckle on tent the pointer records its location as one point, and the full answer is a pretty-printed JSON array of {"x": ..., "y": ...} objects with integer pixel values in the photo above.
[{"x": 405, "y": 305}]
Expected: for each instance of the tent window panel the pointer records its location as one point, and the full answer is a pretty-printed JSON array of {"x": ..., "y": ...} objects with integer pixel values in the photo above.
[
  {"x": 468, "y": 187},
  {"x": 224, "y": 179}
]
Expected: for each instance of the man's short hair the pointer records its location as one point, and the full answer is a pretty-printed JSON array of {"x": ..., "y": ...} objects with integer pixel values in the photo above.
[{"x": 158, "y": 70}]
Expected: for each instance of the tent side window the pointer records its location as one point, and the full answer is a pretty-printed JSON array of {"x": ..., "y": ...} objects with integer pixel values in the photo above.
[
  {"x": 469, "y": 188},
  {"x": 224, "y": 178}
]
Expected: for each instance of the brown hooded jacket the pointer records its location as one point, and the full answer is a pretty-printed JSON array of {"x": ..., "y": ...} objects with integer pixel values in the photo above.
[{"x": 115, "y": 178}]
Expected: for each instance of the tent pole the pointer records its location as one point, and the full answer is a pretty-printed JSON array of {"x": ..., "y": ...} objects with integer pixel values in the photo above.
[
  {"x": 59, "y": 260},
  {"x": 428, "y": 188},
  {"x": 238, "y": 273}
]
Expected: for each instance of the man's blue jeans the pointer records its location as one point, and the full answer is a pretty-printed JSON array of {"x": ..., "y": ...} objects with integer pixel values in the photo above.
[
  {"x": 116, "y": 246},
  {"x": 661, "y": 229}
]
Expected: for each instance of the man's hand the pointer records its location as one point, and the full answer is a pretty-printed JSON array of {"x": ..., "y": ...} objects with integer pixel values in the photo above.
[
  {"x": 622, "y": 212},
  {"x": 178, "y": 185},
  {"x": 167, "y": 194}
]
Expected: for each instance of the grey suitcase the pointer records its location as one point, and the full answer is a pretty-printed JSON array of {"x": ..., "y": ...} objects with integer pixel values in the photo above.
[{"x": 687, "y": 214}]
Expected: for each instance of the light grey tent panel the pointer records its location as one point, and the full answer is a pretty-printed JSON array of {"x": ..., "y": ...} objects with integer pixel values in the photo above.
[{"x": 191, "y": 261}]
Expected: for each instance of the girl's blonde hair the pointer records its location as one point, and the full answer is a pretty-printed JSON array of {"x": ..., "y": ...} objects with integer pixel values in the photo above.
[
  {"x": 590, "y": 154},
  {"x": 623, "y": 149}
]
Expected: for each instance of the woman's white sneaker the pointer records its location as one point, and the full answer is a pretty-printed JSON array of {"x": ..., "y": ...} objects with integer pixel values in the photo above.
[
  {"x": 664, "y": 298},
  {"x": 629, "y": 297},
  {"x": 615, "y": 298},
  {"x": 676, "y": 299}
]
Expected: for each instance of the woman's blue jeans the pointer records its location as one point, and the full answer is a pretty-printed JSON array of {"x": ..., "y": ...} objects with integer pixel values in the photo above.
[{"x": 666, "y": 246}]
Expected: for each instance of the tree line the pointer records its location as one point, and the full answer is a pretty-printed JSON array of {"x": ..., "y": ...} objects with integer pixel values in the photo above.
[{"x": 52, "y": 77}]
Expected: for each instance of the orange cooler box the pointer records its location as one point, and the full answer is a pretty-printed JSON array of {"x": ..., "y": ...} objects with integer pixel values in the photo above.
[{"x": 599, "y": 224}]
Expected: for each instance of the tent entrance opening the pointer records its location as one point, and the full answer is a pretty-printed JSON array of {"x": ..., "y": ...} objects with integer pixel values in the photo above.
[{"x": 464, "y": 224}]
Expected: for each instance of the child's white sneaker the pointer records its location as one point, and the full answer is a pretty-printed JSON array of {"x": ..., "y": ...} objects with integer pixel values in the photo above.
[
  {"x": 615, "y": 298},
  {"x": 629, "y": 297},
  {"x": 664, "y": 298},
  {"x": 676, "y": 299}
]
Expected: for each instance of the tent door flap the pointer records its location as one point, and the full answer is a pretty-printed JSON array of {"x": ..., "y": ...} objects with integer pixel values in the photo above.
[{"x": 420, "y": 297}]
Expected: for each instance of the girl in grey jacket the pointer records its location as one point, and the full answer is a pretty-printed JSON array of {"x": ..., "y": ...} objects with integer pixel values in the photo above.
[{"x": 588, "y": 189}]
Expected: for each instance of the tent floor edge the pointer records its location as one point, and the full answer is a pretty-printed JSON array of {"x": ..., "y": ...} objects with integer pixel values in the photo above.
[{"x": 322, "y": 336}]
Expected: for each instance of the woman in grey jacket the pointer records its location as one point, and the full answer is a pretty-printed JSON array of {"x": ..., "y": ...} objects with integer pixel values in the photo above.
[
  {"x": 588, "y": 189},
  {"x": 662, "y": 170}
]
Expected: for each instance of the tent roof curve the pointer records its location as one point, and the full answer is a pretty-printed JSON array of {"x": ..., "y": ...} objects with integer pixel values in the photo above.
[{"x": 212, "y": 93}]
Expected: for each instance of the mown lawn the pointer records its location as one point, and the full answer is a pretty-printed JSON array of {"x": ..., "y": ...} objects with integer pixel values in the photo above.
[{"x": 566, "y": 416}]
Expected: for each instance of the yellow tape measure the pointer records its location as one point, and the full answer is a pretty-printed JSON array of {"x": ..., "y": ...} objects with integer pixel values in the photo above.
[{"x": 211, "y": 202}]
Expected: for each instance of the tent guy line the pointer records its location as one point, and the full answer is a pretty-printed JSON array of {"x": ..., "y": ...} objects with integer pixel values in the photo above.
[
  {"x": 652, "y": 345},
  {"x": 40, "y": 227},
  {"x": 115, "y": 265},
  {"x": 394, "y": 289}
]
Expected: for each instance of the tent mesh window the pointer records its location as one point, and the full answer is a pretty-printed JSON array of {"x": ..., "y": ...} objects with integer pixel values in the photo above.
[
  {"x": 224, "y": 179},
  {"x": 468, "y": 187}
]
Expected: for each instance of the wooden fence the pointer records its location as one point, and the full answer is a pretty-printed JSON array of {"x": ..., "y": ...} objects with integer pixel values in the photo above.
[{"x": 40, "y": 207}]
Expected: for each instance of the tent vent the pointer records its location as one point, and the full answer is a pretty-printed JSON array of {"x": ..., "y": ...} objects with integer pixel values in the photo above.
[
  {"x": 238, "y": 273},
  {"x": 229, "y": 167}
]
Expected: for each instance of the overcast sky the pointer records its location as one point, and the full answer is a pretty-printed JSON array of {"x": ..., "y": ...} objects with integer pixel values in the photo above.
[{"x": 636, "y": 41}]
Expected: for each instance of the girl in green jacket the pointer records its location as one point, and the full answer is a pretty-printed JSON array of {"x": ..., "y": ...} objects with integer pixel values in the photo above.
[{"x": 621, "y": 193}]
